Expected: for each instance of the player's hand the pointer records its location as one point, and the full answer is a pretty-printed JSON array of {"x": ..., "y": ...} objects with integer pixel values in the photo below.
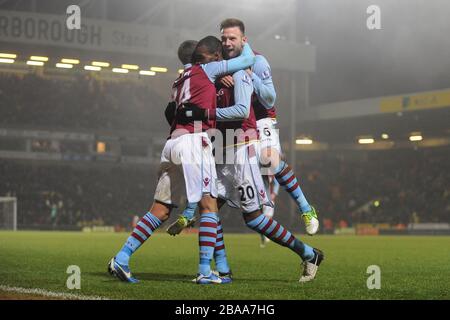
[
  {"x": 170, "y": 112},
  {"x": 189, "y": 112},
  {"x": 227, "y": 81}
]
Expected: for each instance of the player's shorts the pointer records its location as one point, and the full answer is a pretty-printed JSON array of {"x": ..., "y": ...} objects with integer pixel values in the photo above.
[
  {"x": 240, "y": 183},
  {"x": 268, "y": 134},
  {"x": 193, "y": 154}
]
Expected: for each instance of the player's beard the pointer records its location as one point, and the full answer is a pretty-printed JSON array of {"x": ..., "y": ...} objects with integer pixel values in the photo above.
[
  {"x": 230, "y": 54},
  {"x": 226, "y": 55}
]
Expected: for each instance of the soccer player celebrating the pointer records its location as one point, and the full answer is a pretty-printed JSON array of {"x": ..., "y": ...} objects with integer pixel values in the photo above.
[
  {"x": 190, "y": 147},
  {"x": 232, "y": 108},
  {"x": 187, "y": 218},
  {"x": 240, "y": 183},
  {"x": 233, "y": 39}
]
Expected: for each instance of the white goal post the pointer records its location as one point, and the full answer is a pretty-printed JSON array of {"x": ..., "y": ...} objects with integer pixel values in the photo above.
[{"x": 8, "y": 213}]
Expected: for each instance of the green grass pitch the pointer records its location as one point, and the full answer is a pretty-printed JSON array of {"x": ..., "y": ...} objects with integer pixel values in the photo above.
[{"x": 411, "y": 267}]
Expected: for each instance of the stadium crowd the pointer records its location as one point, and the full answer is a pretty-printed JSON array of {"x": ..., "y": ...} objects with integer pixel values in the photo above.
[
  {"x": 60, "y": 195},
  {"x": 396, "y": 186},
  {"x": 82, "y": 102},
  {"x": 388, "y": 187}
]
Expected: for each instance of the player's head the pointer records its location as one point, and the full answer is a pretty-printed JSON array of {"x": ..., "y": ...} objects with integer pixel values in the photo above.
[
  {"x": 207, "y": 50},
  {"x": 233, "y": 37},
  {"x": 185, "y": 51}
]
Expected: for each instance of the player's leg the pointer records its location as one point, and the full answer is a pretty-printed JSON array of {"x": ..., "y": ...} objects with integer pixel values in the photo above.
[
  {"x": 311, "y": 257},
  {"x": 207, "y": 236},
  {"x": 184, "y": 220},
  {"x": 250, "y": 183},
  {"x": 201, "y": 177},
  {"x": 249, "y": 176},
  {"x": 119, "y": 265},
  {"x": 220, "y": 254},
  {"x": 270, "y": 154},
  {"x": 272, "y": 187},
  {"x": 288, "y": 181},
  {"x": 208, "y": 220},
  {"x": 267, "y": 212},
  {"x": 285, "y": 176},
  {"x": 157, "y": 214},
  {"x": 264, "y": 239}
]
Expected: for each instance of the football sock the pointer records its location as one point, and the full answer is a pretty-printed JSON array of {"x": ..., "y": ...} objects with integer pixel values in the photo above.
[
  {"x": 220, "y": 255},
  {"x": 207, "y": 241},
  {"x": 277, "y": 233},
  {"x": 140, "y": 234},
  {"x": 287, "y": 179},
  {"x": 189, "y": 211}
]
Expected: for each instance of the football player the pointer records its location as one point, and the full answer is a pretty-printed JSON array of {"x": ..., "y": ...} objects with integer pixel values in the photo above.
[
  {"x": 240, "y": 182},
  {"x": 263, "y": 100},
  {"x": 188, "y": 147}
]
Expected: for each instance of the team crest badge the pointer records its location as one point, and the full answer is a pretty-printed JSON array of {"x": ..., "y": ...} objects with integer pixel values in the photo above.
[{"x": 262, "y": 193}]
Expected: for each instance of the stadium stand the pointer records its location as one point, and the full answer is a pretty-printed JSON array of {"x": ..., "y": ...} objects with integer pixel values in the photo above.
[
  {"x": 79, "y": 102},
  {"x": 377, "y": 190},
  {"x": 396, "y": 186}
]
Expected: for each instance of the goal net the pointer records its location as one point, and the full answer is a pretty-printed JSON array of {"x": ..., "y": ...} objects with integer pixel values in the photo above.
[{"x": 8, "y": 213}]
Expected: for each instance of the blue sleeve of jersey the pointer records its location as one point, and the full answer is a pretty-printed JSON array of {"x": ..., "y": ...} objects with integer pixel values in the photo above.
[
  {"x": 262, "y": 81},
  {"x": 243, "y": 90},
  {"x": 217, "y": 69}
]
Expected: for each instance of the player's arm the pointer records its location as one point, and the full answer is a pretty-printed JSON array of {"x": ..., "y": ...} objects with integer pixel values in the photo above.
[
  {"x": 262, "y": 82},
  {"x": 217, "y": 69},
  {"x": 243, "y": 90},
  {"x": 170, "y": 112}
]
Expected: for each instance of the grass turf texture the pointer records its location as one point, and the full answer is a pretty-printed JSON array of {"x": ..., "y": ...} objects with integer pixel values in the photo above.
[{"x": 411, "y": 267}]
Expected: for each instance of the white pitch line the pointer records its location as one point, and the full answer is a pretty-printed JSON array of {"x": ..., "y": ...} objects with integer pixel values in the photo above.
[{"x": 50, "y": 294}]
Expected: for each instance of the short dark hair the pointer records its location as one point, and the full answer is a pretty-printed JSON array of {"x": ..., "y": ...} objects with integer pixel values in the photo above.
[
  {"x": 232, "y": 22},
  {"x": 210, "y": 43},
  {"x": 185, "y": 51}
]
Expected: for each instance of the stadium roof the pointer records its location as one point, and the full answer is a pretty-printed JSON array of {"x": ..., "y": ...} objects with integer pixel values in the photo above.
[{"x": 408, "y": 54}]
